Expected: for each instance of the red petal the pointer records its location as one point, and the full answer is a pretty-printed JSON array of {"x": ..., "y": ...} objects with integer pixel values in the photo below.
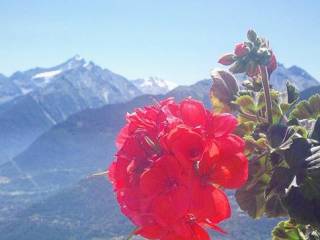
[
  {"x": 151, "y": 181},
  {"x": 199, "y": 233},
  {"x": 173, "y": 236},
  {"x": 193, "y": 112},
  {"x": 222, "y": 124},
  {"x": 231, "y": 171},
  {"x": 150, "y": 232},
  {"x": 169, "y": 208},
  {"x": 186, "y": 144},
  {"x": 210, "y": 203},
  {"x": 215, "y": 227},
  {"x": 221, "y": 205},
  {"x": 230, "y": 144},
  {"x": 122, "y": 136},
  {"x": 119, "y": 173},
  {"x": 111, "y": 172}
]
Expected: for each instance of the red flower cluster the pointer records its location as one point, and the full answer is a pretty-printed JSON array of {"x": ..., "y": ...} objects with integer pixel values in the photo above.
[{"x": 171, "y": 160}]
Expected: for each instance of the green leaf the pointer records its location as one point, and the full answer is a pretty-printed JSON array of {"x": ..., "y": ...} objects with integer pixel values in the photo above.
[
  {"x": 285, "y": 107},
  {"x": 274, "y": 207},
  {"x": 245, "y": 128},
  {"x": 280, "y": 180},
  {"x": 316, "y": 130},
  {"x": 298, "y": 152},
  {"x": 307, "y": 109},
  {"x": 252, "y": 201},
  {"x": 313, "y": 161},
  {"x": 292, "y": 93},
  {"x": 246, "y": 104},
  {"x": 302, "y": 209},
  {"x": 277, "y": 134},
  {"x": 251, "y": 197},
  {"x": 314, "y": 102},
  {"x": 286, "y": 230}
]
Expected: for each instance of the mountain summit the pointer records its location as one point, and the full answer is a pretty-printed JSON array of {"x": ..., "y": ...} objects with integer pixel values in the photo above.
[
  {"x": 296, "y": 75},
  {"x": 154, "y": 85},
  {"x": 83, "y": 75}
]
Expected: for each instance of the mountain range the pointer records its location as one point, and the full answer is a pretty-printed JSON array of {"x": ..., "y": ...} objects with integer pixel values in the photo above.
[
  {"x": 58, "y": 127},
  {"x": 296, "y": 75},
  {"x": 37, "y": 99}
]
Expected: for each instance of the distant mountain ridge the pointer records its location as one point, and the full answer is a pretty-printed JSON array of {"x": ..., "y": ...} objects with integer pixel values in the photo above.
[
  {"x": 47, "y": 96},
  {"x": 39, "y": 78},
  {"x": 296, "y": 75},
  {"x": 305, "y": 94}
]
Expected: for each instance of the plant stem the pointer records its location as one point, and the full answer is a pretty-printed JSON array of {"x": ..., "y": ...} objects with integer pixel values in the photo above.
[
  {"x": 266, "y": 89},
  {"x": 252, "y": 117}
]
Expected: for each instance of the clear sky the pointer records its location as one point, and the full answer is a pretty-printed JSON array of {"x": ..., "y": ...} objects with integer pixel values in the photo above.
[{"x": 178, "y": 40}]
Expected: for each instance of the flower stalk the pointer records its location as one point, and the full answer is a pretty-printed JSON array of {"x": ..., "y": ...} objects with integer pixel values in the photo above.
[{"x": 266, "y": 89}]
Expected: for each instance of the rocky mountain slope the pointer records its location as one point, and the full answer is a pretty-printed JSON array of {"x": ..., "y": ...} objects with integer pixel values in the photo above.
[
  {"x": 43, "y": 97},
  {"x": 296, "y": 75}
]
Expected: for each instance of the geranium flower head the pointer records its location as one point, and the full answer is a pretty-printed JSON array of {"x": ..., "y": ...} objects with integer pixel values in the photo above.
[{"x": 171, "y": 161}]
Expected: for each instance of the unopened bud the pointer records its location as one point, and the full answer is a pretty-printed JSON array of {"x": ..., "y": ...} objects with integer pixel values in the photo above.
[
  {"x": 224, "y": 86},
  {"x": 252, "y": 36},
  {"x": 241, "y": 50},
  {"x": 227, "y": 59},
  {"x": 272, "y": 65}
]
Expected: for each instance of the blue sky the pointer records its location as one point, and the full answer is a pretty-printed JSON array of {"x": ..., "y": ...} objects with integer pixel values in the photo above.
[{"x": 178, "y": 40}]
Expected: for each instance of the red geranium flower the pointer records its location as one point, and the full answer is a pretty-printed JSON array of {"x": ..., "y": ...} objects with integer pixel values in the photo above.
[{"x": 171, "y": 161}]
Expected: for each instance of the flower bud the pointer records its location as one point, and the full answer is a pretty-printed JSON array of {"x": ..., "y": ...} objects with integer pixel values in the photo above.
[
  {"x": 224, "y": 86},
  {"x": 252, "y": 36},
  {"x": 241, "y": 50},
  {"x": 238, "y": 67},
  {"x": 272, "y": 65},
  {"x": 227, "y": 59}
]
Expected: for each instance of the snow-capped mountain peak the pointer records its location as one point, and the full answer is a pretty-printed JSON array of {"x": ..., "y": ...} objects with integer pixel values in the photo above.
[
  {"x": 74, "y": 62},
  {"x": 154, "y": 85}
]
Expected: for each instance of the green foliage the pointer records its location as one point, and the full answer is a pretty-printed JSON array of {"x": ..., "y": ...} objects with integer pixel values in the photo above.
[
  {"x": 287, "y": 230},
  {"x": 307, "y": 109},
  {"x": 247, "y": 104},
  {"x": 283, "y": 146},
  {"x": 292, "y": 93},
  {"x": 316, "y": 131}
]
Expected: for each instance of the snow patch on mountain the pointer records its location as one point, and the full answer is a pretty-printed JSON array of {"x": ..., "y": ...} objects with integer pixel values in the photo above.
[
  {"x": 154, "y": 85},
  {"x": 49, "y": 74}
]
